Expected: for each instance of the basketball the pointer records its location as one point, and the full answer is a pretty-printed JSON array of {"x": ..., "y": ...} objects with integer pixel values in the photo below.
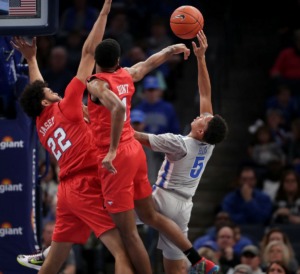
[{"x": 186, "y": 22}]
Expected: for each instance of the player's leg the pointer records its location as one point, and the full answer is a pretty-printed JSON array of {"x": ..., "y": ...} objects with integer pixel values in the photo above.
[
  {"x": 58, "y": 253},
  {"x": 146, "y": 211},
  {"x": 175, "y": 266},
  {"x": 85, "y": 196},
  {"x": 118, "y": 192},
  {"x": 112, "y": 240},
  {"x": 125, "y": 222}
]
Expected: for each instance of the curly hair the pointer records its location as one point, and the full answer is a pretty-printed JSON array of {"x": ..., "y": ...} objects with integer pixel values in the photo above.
[
  {"x": 107, "y": 53},
  {"x": 216, "y": 131},
  {"x": 31, "y": 98}
]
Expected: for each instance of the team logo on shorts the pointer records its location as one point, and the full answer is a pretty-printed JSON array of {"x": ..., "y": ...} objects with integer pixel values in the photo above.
[{"x": 110, "y": 202}]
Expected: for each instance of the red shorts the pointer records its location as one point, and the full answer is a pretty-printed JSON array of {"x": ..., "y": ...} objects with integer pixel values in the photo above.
[
  {"x": 131, "y": 181},
  {"x": 80, "y": 210}
]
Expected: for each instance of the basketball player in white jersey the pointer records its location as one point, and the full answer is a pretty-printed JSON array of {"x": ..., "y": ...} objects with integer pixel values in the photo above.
[{"x": 185, "y": 160}]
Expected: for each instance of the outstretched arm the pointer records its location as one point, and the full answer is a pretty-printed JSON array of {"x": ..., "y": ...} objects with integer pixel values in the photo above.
[
  {"x": 143, "y": 138},
  {"x": 108, "y": 99},
  {"x": 139, "y": 70},
  {"x": 87, "y": 62},
  {"x": 203, "y": 76},
  {"x": 29, "y": 53}
]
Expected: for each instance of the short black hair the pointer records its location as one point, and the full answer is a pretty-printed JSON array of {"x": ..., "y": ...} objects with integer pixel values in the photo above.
[
  {"x": 107, "y": 53},
  {"x": 32, "y": 97},
  {"x": 216, "y": 131}
]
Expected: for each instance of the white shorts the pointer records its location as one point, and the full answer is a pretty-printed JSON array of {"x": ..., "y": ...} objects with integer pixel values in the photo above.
[{"x": 177, "y": 209}]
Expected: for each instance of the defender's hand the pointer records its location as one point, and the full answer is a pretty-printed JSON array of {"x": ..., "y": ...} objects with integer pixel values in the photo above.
[{"x": 27, "y": 50}]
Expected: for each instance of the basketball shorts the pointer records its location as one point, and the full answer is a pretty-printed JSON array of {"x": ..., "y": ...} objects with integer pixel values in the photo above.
[
  {"x": 177, "y": 209},
  {"x": 80, "y": 210},
  {"x": 131, "y": 180}
]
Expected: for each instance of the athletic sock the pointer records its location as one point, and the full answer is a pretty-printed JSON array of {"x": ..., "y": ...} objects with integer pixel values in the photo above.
[
  {"x": 192, "y": 255},
  {"x": 46, "y": 251}
]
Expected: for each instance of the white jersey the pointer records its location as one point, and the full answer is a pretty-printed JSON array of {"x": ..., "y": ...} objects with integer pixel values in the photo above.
[{"x": 184, "y": 163}]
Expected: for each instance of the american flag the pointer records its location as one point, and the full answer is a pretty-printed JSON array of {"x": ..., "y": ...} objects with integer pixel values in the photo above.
[{"x": 22, "y": 7}]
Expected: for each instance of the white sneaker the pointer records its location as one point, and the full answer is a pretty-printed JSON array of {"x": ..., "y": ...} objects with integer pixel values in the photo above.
[{"x": 34, "y": 261}]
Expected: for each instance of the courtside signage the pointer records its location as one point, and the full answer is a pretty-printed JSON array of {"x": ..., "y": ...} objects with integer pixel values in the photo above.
[
  {"x": 9, "y": 143},
  {"x": 6, "y": 229}
]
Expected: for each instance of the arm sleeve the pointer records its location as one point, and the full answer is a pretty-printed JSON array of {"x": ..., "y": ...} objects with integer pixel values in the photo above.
[
  {"x": 170, "y": 144},
  {"x": 71, "y": 104}
]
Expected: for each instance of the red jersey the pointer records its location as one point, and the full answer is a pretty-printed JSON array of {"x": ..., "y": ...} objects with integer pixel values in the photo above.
[
  {"x": 120, "y": 82},
  {"x": 63, "y": 132}
]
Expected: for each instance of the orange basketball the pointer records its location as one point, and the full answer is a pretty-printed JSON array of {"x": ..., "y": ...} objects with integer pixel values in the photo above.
[{"x": 186, "y": 21}]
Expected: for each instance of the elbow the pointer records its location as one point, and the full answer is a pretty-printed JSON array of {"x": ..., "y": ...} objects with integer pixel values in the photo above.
[{"x": 120, "y": 110}]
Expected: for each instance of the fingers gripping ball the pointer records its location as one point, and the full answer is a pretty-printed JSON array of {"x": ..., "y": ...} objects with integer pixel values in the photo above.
[{"x": 186, "y": 22}]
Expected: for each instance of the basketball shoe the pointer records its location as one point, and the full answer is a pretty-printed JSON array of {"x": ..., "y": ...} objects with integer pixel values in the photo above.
[
  {"x": 204, "y": 266},
  {"x": 34, "y": 261}
]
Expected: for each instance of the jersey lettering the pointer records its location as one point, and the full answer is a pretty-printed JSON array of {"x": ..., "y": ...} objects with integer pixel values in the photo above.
[
  {"x": 59, "y": 141},
  {"x": 123, "y": 89},
  {"x": 197, "y": 167}
]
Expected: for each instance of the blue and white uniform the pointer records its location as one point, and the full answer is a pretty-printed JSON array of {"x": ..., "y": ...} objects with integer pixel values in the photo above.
[{"x": 177, "y": 181}]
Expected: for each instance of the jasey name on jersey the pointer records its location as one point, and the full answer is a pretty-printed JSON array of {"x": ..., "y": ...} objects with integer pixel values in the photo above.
[
  {"x": 202, "y": 149},
  {"x": 123, "y": 89},
  {"x": 49, "y": 123}
]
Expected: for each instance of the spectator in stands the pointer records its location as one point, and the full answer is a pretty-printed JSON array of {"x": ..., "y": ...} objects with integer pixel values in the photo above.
[
  {"x": 242, "y": 269},
  {"x": 78, "y": 17},
  {"x": 271, "y": 180},
  {"x": 278, "y": 251},
  {"x": 264, "y": 148},
  {"x": 286, "y": 103},
  {"x": 74, "y": 44},
  {"x": 58, "y": 76},
  {"x": 222, "y": 219},
  {"x": 276, "y": 234},
  {"x": 251, "y": 256},
  {"x": 277, "y": 268},
  {"x": 240, "y": 240},
  {"x": 160, "y": 115},
  {"x": 287, "y": 64},
  {"x": 227, "y": 257},
  {"x": 287, "y": 202},
  {"x": 158, "y": 39},
  {"x": 246, "y": 204},
  {"x": 275, "y": 122},
  {"x": 293, "y": 146},
  {"x": 118, "y": 29},
  {"x": 45, "y": 45}
]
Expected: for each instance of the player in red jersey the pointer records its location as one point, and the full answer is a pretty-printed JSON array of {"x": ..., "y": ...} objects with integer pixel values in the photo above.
[
  {"x": 64, "y": 133},
  {"x": 129, "y": 188}
]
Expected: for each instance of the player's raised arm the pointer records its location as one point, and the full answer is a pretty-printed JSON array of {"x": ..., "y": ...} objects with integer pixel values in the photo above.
[
  {"x": 139, "y": 70},
  {"x": 29, "y": 53},
  {"x": 203, "y": 76},
  {"x": 94, "y": 38}
]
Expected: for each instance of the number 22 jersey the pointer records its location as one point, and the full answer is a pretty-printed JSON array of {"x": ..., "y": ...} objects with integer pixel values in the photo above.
[{"x": 64, "y": 133}]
